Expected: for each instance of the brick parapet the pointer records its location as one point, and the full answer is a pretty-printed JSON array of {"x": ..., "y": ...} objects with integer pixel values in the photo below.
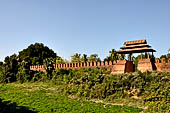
[
  {"x": 150, "y": 65},
  {"x": 162, "y": 65},
  {"x": 122, "y": 66},
  {"x": 109, "y": 65},
  {"x": 145, "y": 65},
  {"x": 119, "y": 66}
]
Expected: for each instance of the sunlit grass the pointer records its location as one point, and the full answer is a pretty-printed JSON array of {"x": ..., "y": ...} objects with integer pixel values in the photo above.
[{"x": 42, "y": 98}]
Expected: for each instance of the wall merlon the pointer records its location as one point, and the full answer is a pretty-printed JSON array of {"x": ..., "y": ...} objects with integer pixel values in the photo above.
[
  {"x": 102, "y": 64},
  {"x": 88, "y": 64},
  {"x": 95, "y": 64},
  {"x": 91, "y": 64},
  {"x": 115, "y": 62},
  {"x": 163, "y": 60},
  {"x": 157, "y": 60},
  {"x": 106, "y": 63},
  {"x": 110, "y": 63},
  {"x": 98, "y": 64}
]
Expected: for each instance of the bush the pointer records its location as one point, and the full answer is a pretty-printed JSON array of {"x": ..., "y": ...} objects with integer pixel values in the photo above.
[{"x": 151, "y": 87}]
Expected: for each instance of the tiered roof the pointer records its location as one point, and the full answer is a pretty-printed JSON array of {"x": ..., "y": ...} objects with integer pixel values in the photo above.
[{"x": 137, "y": 46}]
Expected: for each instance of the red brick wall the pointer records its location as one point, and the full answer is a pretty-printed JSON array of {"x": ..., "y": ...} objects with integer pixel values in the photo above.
[
  {"x": 144, "y": 65},
  {"x": 159, "y": 65},
  {"x": 122, "y": 66},
  {"x": 116, "y": 67},
  {"x": 162, "y": 65}
]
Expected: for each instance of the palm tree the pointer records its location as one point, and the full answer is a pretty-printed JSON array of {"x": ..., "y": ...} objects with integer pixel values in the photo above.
[
  {"x": 76, "y": 58},
  {"x": 114, "y": 55},
  {"x": 94, "y": 58},
  {"x": 84, "y": 58},
  {"x": 168, "y": 55}
]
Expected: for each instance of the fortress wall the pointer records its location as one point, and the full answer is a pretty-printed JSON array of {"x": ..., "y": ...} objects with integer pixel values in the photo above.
[
  {"x": 116, "y": 67},
  {"x": 162, "y": 65},
  {"x": 122, "y": 66},
  {"x": 159, "y": 65},
  {"x": 144, "y": 65}
]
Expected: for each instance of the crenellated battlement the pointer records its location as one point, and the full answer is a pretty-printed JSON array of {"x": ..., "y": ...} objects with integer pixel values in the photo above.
[
  {"x": 162, "y": 65},
  {"x": 116, "y": 67},
  {"x": 157, "y": 64},
  {"x": 119, "y": 66},
  {"x": 163, "y": 60},
  {"x": 75, "y": 65}
]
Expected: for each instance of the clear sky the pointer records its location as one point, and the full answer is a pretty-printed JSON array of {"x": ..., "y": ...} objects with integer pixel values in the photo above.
[{"x": 83, "y": 26}]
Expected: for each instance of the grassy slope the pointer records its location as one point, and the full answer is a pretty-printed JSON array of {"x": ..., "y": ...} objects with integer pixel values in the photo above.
[{"x": 43, "y": 98}]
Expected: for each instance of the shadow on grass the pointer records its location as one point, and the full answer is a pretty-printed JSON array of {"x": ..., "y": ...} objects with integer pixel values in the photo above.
[{"x": 8, "y": 107}]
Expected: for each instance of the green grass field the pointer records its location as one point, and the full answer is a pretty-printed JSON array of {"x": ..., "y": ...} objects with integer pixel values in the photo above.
[{"x": 43, "y": 98}]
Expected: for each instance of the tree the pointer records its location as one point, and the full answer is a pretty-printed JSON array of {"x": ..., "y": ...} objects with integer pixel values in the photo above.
[
  {"x": 24, "y": 74},
  {"x": 94, "y": 58},
  {"x": 131, "y": 57},
  {"x": 122, "y": 57},
  {"x": 59, "y": 60},
  {"x": 113, "y": 55},
  {"x": 1, "y": 63},
  {"x": 36, "y": 53},
  {"x": 76, "y": 58},
  {"x": 163, "y": 56},
  {"x": 168, "y": 55},
  {"x": 49, "y": 67},
  {"x": 84, "y": 58},
  {"x": 9, "y": 69}
]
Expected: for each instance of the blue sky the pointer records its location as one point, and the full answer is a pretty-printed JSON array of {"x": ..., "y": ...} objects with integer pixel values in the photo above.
[{"x": 83, "y": 26}]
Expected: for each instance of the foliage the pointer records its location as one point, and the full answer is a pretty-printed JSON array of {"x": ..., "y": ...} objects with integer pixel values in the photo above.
[
  {"x": 84, "y": 58},
  {"x": 16, "y": 68},
  {"x": 93, "y": 58},
  {"x": 113, "y": 55},
  {"x": 9, "y": 69},
  {"x": 36, "y": 53},
  {"x": 166, "y": 56},
  {"x": 60, "y": 60},
  {"x": 149, "y": 88},
  {"x": 44, "y": 99},
  {"x": 76, "y": 58},
  {"x": 24, "y": 74},
  {"x": 49, "y": 67}
]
